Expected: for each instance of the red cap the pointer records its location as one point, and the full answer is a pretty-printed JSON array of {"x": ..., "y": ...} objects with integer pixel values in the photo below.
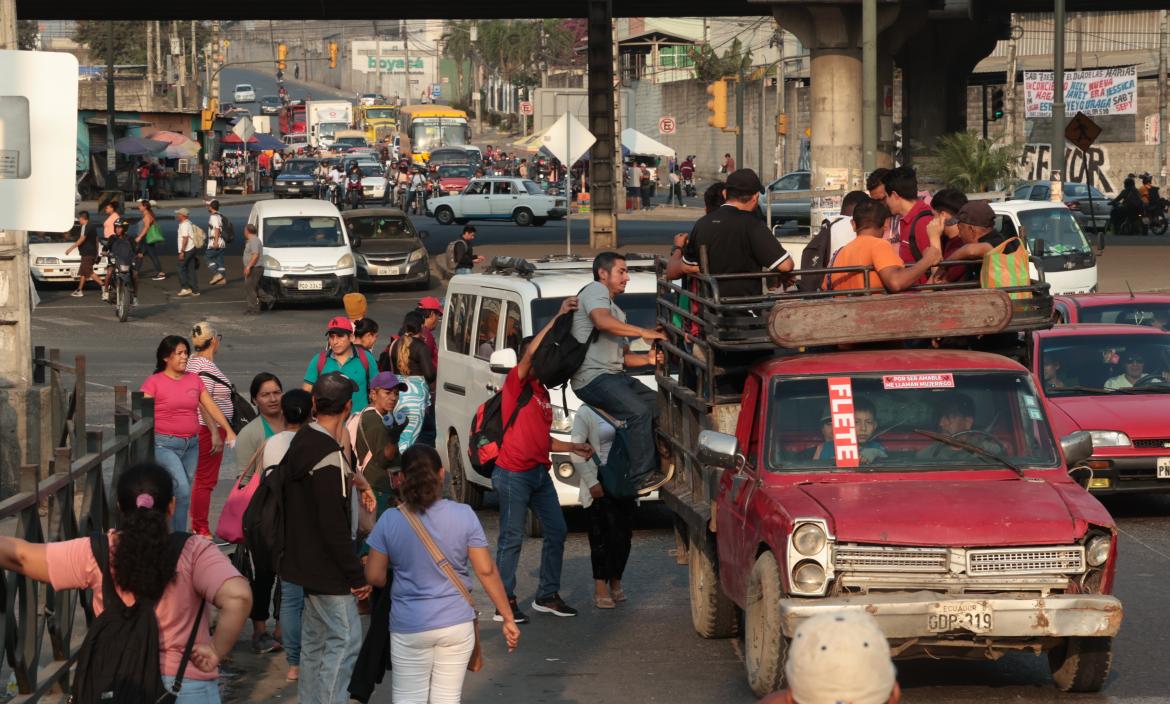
[
  {"x": 430, "y": 303},
  {"x": 341, "y": 325}
]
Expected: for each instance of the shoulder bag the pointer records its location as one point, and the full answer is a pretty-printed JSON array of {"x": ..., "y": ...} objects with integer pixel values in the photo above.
[
  {"x": 230, "y": 526},
  {"x": 475, "y": 664}
]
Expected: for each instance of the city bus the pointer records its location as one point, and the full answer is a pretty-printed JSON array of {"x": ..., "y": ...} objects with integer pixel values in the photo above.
[{"x": 427, "y": 127}]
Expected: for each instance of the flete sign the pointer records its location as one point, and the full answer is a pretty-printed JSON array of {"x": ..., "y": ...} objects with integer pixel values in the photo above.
[{"x": 845, "y": 450}]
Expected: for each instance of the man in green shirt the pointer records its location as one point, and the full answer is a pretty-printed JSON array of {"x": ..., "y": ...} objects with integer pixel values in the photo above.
[{"x": 342, "y": 355}]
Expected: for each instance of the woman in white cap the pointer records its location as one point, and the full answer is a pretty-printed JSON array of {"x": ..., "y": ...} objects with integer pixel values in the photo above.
[{"x": 206, "y": 341}]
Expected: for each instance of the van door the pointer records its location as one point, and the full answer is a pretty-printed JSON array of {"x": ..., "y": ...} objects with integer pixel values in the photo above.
[{"x": 453, "y": 407}]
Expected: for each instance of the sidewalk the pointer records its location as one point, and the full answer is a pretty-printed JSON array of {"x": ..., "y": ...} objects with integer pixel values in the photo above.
[{"x": 174, "y": 203}]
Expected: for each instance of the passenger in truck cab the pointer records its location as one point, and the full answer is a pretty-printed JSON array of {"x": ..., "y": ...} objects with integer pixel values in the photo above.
[
  {"x": 865, "y": 425},
  {"x": 869, "y": 249},
  {"x": 956, "y": 419}
]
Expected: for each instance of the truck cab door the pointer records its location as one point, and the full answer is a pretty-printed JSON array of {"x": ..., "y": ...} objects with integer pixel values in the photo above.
[{"x": 736, "y": 532}]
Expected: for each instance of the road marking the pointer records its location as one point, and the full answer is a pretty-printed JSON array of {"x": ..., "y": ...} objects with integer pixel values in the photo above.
[{"x": 1144, "y": 544}]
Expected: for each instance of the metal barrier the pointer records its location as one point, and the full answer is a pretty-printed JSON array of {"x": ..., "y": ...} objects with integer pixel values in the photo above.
[{"x": 69, "y": 502}]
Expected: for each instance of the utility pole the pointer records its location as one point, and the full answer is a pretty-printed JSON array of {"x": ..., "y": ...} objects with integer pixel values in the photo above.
[
  {"x": 150, "y": 54},
  {"x": 760, "y": 120},
  {"x": 111, "y": 157},
  {"x": 869, "y": 115},
  {"x": 194, "y": 54},
  {"x": 176, "y": 43},
  {"x": 158, "y": 55},
  {"x": 1079, "y": 30},
  {"x": 740, "y": 94},
  {"x": 406, "y": 55},
  {"x": 1163, "y": 49},
  {"x": 1010, "y": 97},
  {"x": 8, "y": 33},
  {"x": 378, "y": 55},
  {"x": 216, "y": 50},
  {"x": 305, "y": 50},
  {"x": 1057, "y": 98},
  {"x": 475, "y": 95}
]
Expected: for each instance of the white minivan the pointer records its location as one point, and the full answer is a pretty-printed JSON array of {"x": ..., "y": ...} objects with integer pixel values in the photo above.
[
  {"x": 307, "y": 253},
  {"x": 493, "y": 311},
  {"x": 1054, "y": 239}
]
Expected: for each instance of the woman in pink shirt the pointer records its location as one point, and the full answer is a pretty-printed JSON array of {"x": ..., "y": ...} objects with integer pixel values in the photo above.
[
  {"x": 179, "y": 396},
  {"x": 145, "y": 563}
]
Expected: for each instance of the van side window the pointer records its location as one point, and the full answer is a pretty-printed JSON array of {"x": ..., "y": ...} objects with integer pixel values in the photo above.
[
  {"x": 459, "y": 323},
  {"x": 1006, "y": 227},
  {"x": 513, "y": 327},
  {"x": 487, "y": 327}
]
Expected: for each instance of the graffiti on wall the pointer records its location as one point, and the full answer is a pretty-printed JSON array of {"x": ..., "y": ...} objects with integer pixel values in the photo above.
[{"x": 1036, "y": 165}]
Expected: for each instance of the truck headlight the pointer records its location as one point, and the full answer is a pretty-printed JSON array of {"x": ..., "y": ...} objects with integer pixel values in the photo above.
[
  {"x": 44, "y": 261},
  {"x": 417, "y": 254},
  {"x": 808, "y": 576},
  {"x": 562, "y": 420},
  {"x": 346, "y": 262},
  {"x": 270, "y": 263},
  {"x": 1097, "y": 551},
  {"x": 809, "y": 539},
  {"x": 1109, "y": 438}
]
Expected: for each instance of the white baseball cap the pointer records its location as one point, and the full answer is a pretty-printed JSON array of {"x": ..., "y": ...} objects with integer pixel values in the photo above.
[{"x": 840, "y": 659}]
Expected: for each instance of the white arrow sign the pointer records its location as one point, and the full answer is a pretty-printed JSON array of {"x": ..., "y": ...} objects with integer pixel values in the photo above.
[
  {"x": 244, "y": 129},
  {"x": 568, "y": 139}
]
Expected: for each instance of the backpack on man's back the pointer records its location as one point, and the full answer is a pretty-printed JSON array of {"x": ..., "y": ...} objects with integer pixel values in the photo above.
[
  {"x": 454, "y": 254},
  {"x": 486, "y": 436},
  {"x": 816, "y": 255}
]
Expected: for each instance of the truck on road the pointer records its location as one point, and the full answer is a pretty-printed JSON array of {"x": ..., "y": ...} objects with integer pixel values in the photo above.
[
  {"x": 325, "y": 118},
  {"x": 822, "y": 465}
]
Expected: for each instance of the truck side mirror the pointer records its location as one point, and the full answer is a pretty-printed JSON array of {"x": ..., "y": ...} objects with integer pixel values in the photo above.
[
  {"x": 502, "y": 361},
  {"x": 719, "y": 450},
  {"x": 1077, "y": 447}
]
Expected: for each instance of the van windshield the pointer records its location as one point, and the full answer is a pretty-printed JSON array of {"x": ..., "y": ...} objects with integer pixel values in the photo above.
[
  {"x": 302, "y": 231},
  {"x": 885, "y": 422},
  {"x": 1057, "y": 227}
]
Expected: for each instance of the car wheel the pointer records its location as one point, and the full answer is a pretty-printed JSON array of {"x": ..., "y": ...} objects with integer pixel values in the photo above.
[
  {"x": 445, "y": 215},
  {"x": 712, "y": 613},
  {"x": 539, "y": 221},
  {"x": 765, "y": 647},
  {"x": 1081, "y": 664},
  {"x": 458, "y": 487},
  {"x": 523, "y": 217}
]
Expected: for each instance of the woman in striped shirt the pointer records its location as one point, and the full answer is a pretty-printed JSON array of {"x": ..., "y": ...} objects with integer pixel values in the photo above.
[
  {"x": 206, "y": 342},
  {"x": 410, "y": 359}
]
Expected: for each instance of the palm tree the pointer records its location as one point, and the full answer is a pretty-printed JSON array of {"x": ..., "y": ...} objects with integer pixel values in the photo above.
[
  {"x": 459, "y": 48},
  {"x": 973, "y": 164}
]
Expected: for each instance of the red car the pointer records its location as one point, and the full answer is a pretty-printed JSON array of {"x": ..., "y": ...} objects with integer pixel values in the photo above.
[
  {"x": 1152, "y": 309},
  {"x": 1114, "y": 382},
  {"x": 453, "y": 178}
]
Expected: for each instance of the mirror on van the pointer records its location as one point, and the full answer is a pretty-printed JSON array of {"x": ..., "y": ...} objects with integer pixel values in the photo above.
[
  {"x": 1077, "y": 447},
  {"x": 502, "y": 361}
]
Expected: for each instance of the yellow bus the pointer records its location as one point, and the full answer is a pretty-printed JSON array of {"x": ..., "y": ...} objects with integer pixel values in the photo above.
[{"x": 427, "y": 127}]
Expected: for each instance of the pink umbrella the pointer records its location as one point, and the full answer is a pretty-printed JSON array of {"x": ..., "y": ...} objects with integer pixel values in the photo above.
[{"x": 169, "y": 137}]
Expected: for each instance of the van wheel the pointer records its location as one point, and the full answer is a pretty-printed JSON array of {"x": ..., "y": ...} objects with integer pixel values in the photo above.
[
  {"x": 765, "y": 647},
  {"x": 712, "y": 613},
  {"x": 445, "y": 215},
  {"x": 539, "y": 221},
  {"x": 523, "y": 217},
  {"x": 458, "y": 486},
  {"x": 1081, "y": 664},
  {"x": 532, "y": 525}
]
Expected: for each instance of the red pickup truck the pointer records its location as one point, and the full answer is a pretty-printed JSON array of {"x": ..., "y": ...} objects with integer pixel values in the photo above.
[{"x": 921, "y": 485}]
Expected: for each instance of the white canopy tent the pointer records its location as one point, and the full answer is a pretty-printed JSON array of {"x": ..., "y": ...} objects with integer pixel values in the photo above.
[{"x": 639, "y": 144}]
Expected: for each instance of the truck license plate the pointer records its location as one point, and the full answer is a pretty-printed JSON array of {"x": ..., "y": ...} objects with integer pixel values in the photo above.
[
  {"x": 1164, "y": 468},
  {"x": 953, "y": 615},
  {"x": 293, "y": 189},
  {"x": 387, "y": 271},
  {"x": 309, "y": 285}
]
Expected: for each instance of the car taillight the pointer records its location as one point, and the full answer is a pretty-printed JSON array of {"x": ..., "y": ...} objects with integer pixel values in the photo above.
[{"x": 1073, "y": 205}]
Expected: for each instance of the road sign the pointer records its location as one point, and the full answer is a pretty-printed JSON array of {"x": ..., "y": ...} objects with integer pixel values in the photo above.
[
  {"x": 568, "y": 139},
  {"x": 1082, "y": 131},
  {"x": 436, "y": 90},
  {"x": 525, "y": 108},
  {"x": 244, "y": 129},
  {"x": 667, "y": 125}
]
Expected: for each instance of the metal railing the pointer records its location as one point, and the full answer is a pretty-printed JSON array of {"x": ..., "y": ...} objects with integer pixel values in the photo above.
[{"x": 70, "y": 501}]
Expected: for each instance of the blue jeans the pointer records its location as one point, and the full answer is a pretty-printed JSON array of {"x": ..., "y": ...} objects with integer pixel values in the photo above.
[
  {"x": 194, "y": 691},
  {"x": 331, "y": 636},
  {"x": 518, "y": 492},
  {"x": 187, "y": 277},
  {"x": 625, "y": 398},
  {"x": 215, "y": 263},
  {"x": 292, "y": 604},
  {"x": 463, "y": 270},
  {"x": 180, "y": 457}
]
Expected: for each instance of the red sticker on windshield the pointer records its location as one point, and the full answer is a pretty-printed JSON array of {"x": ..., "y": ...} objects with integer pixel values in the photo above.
[
  {"x": 918, "y": 381},
  {"x": 845, "y": 452}
]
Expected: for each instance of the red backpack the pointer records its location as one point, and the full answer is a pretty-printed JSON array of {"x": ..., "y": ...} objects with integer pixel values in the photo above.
[{"x": 487, "y": 430}]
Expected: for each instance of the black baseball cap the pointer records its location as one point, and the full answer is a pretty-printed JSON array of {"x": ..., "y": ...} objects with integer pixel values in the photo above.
[
  {"x": 334, "y": 388},
  {"x": 744, "y": 180}
]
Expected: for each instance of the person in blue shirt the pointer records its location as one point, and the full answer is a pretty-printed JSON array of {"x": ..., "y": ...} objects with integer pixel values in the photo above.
[
  {"x": 864, "y": 423},
  {"x": 341, "y": 354}
]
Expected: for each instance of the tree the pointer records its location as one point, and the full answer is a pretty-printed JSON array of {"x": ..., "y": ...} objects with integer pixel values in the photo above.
[
  {"x": 973, "y": 164},
  {"x": 129, "y": 41},
  {"x": 458, "y": 46},
  {"x": 709, "y": 66},
  {"x": 26, "y": 35}
]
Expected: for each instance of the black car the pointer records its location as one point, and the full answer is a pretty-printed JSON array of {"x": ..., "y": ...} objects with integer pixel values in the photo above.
[
  {"x": 296, "y": 179},
  {"x": 1076, "y": 198},
  {"x": 387, "y": 247},
  {"x": 270, "y": 105},
  {"x": 449, "y": 155}
]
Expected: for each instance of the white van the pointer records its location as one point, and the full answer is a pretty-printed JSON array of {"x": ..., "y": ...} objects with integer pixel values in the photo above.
[
  {"x": 1055, "y": 239},
  {"x": 493, "y": 311},
  {"x": 306, "y": 252}
]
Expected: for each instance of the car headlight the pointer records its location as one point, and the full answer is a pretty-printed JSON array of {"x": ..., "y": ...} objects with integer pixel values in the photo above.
[
  {"x": 1097, "y": 551},
  {"x": 417, "y": 254},
  {"x": 565, "y": 470},
  {"x": 346, "y": 262},
  {"x": 1109, "y": 438},
  {"x": 43, "y": 261},
  {"x": 808, "y": 576},
  {"x": 809, "y": 539},
  {"x": 270, "y": 263},
  {"x": 562, "y": 421}
]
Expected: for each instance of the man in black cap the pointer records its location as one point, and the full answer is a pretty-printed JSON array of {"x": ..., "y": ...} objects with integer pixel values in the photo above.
[{"x": 977, "y": 232}]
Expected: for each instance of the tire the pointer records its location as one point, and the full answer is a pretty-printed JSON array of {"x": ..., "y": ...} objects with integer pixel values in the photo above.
[
  {"x": 537, "y": 222},
  {"x": 712, "y": 613},
  {"x": 1081, "y": 664},
  {"x": 523, "y": 217},
  {"x": 765, "y": 647},
  {"x": 445, "y": 215},
  {"x": 458, "y": 487},
  {"x": 532, "y": 525},
  {"x": 1158, "y": 225},
  {"x": 123, "y": 305}
]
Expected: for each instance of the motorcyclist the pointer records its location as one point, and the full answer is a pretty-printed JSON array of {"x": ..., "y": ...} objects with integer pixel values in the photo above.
[
  {"x": 1144, "y": 190},
  {"x": 336, "y": 183},
  {"x": 121, "y": 250},
  {"x": 1127, "y": 206},
  {"x": 353, "y": 182},
  {"x": 418, "y": 189}
]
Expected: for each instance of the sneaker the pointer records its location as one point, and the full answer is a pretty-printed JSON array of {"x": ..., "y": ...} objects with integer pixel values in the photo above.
[
  {"x": 77, "y": 294},
  {"x": 105, "y": 295},
  {"x": 134, "y": 302},
  {"x": 264, "y": 643},
  {"x": 554, "y": 605},
  {"x": 220, "y": 282},
  {"x": 215, "y": 279},
  {"x": 160, "y": 276},
  {"x": 184, "y": 292},
  {"x": 655, "y": 481},
  {"x": 517, "y": 614},
  {"x": 194, "y": 293}
]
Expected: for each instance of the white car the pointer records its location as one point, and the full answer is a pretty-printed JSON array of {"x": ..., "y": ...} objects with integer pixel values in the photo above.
[
  {"x": 498, "y": 198},
  {"x": 488, "y": 314},
  {"x": 295, "y": 142},
  {"x": 374, "y": 182},
  {"x": 244, "y": 93},
  {"x": 306, "y": 253},
  {"x": 1068, "y": 261},
  {"x": 48, "y": 261}
]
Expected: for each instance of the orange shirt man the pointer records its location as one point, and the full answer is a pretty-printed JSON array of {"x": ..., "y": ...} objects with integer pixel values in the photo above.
[{"x": 870, "y": 249}]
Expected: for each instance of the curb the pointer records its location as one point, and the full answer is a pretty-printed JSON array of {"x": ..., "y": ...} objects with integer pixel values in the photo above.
[{"x": 175, "y": 203}]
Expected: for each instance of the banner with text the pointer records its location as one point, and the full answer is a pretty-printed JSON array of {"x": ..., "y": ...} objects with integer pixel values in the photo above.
[{"x": 1098, "y": 91}]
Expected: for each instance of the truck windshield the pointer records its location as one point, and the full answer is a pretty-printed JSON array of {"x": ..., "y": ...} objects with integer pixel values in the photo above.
[
  {"x": 872, "y": 422},
  {"x": 1099, "y": 365},
  {"x": 381, "y": 114},
  {"x": 302, "y": 231}
]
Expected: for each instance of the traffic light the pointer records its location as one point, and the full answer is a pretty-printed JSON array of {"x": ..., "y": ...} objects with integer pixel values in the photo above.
[
  {"x": 332, "y": 54},
  {"x": 997, "y": 104},
  {"x": 717, "y": 104},
  {"x": 281, "y": 53},
  {"x": 782, "y": 123}
]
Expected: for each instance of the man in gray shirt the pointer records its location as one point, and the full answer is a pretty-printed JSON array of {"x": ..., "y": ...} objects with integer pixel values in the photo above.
[
  {"x": 253, "y": 270},
  {"x": 602, "y": 381}
]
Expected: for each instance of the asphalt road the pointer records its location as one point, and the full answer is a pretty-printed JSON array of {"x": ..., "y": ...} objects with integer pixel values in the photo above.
[
  {"x": 645, "y": 651},
  {"x": 265, "y": 84}
]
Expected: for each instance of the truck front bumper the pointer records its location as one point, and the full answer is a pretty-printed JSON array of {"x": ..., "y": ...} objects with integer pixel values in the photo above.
[{"x": 908, "y": 615}]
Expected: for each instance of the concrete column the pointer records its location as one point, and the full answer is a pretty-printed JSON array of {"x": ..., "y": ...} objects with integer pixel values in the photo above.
[{"x": 602, "y": 165}]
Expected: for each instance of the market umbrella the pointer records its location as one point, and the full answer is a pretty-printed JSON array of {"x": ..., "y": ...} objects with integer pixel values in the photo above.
[
  {"x": 266, "y": 142},
  {"x": 641, "y": 145},
  {"x": 135, "y": 146},
  {"x": 182, "y": 150},
  {"x": 169, "y": 137}
]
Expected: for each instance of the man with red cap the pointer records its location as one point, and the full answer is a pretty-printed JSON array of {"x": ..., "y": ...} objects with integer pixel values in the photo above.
[{"x": 342, "y": 355}]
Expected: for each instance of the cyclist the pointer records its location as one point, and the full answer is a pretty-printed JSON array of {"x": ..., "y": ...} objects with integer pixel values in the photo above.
[{"x": 121, "y": 250}]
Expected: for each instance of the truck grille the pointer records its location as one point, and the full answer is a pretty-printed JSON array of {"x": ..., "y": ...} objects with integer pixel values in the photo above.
[
  {"x": 1026, "y": 561},
  {"x": 878, "y": 558},
  {"x": 1150, "y": 444}
]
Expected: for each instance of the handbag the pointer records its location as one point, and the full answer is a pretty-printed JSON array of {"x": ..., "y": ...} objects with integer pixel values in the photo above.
[
  {"x": 1002, "y": 270},
  {"x": 230, "y": 526},
  {"x": 242, "y": 411},
  {"x": 475, "y": 664},
  {"x": 154, "y": 234}
]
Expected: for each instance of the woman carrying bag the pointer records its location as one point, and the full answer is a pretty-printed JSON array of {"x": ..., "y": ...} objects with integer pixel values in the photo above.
[
  {"x": 150, "y": 236},
  {"x": 434, "y": 627}
]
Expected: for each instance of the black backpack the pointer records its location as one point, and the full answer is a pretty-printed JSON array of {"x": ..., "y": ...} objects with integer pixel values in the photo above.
[
  {"x": 118, "y": 661},
  {"x": 242, "y": 411},
  {"x": 264, "y": 518},
  {"x": 487, "y": 430},
  {"x": 226, "y": 230},
  {"x": 915, "y": 250},
  {"x": 816, "y": 256},
  {"x": 560, "y": 354}
]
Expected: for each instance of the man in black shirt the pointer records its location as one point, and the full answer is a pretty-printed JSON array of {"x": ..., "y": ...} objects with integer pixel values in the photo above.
[
  {"x": 465, "y": 257},
  {"x": 87, "y": 246},
  {"x": 736, "y": 241}
]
